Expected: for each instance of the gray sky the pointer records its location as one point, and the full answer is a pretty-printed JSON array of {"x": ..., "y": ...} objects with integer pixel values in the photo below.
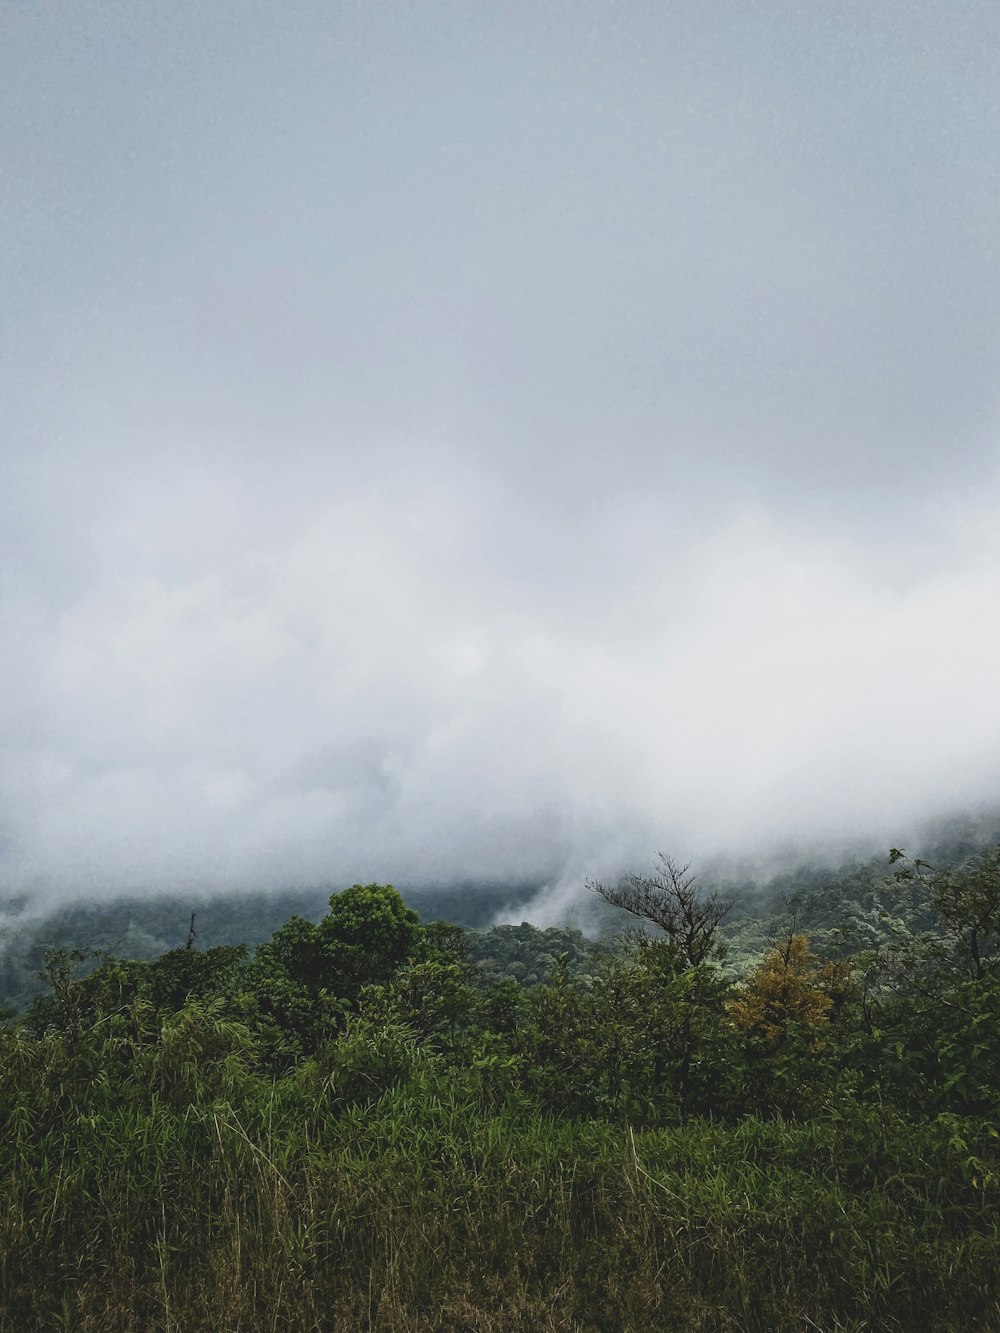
[{"x": 481, "y": 439}]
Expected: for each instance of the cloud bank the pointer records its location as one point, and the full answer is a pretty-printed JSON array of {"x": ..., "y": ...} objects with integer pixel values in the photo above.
[
  {"x": 441, "y": 445},
  {"x": 428, "y": 678}
]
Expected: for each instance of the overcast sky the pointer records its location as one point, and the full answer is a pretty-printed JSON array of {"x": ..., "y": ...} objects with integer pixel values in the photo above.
[{"x": 481, "y": 439}]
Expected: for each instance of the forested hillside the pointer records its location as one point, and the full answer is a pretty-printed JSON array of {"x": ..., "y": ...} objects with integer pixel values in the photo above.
[
  {"x": 375, "y": 1121},
  {"x": 843, "y": 905},
  {"x": 145, "y": 926}
]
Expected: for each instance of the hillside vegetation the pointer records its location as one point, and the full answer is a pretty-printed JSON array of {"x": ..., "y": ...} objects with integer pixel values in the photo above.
[{"x": 377, "y": 1122}]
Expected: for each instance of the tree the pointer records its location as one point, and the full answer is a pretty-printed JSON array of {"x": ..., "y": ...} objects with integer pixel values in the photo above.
[
  {"x": 367, "y": 935},
  {"x": 668, "y": 899},
  {"x": 794, "y": 1013},
  {"x": 188, "y": 973},
  {"x": 967, "y": 901},
  {"x": 669, "y": 986},
  {"x": 935, "y": 1003},
  {"x": 302, "y": 983},
  {"x": 790, "y": 987}
]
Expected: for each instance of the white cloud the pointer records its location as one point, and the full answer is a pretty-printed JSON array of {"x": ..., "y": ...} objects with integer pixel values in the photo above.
[{"x": 377, "y": 696}]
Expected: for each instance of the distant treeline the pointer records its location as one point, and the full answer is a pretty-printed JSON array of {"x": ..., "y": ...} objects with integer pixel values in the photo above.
[
  {"x": 840, "y": 906},
  {"x": 143, "y": 927}
]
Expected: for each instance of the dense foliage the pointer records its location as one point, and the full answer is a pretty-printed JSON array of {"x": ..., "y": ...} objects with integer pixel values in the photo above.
[{"x": 376, "y": 1122}]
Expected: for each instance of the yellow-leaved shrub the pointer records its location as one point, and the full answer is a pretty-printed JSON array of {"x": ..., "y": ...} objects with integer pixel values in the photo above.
[{"x": 789, "y": 987}]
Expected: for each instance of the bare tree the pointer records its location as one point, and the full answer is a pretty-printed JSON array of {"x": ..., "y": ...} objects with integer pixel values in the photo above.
[{"x": 668, "y": 899}]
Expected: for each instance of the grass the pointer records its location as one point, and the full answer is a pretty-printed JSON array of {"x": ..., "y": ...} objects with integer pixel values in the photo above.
[{"x": 250, "y": 1205}]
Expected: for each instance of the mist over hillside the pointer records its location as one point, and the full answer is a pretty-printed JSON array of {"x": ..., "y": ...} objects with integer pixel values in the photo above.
[{"x": 826, "y": 888}]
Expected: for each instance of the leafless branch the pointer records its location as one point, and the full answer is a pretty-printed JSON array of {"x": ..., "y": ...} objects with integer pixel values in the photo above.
[{"x": 668, "y": 899}]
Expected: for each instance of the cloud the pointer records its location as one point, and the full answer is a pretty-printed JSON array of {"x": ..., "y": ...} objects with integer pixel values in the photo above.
[
  {"x": 438, "y": 446},
  {"x": 429, "y": 679}
]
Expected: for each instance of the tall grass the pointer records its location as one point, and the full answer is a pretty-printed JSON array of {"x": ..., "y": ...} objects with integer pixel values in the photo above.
[{"x": 166, "y": 1186}]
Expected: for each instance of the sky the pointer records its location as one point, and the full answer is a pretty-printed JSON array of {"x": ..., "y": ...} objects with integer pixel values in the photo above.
[{"x": 457, "y": 441}]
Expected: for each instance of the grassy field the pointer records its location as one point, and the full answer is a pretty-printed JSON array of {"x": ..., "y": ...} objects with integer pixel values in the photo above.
[{"x": 264, "y": 1206}]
